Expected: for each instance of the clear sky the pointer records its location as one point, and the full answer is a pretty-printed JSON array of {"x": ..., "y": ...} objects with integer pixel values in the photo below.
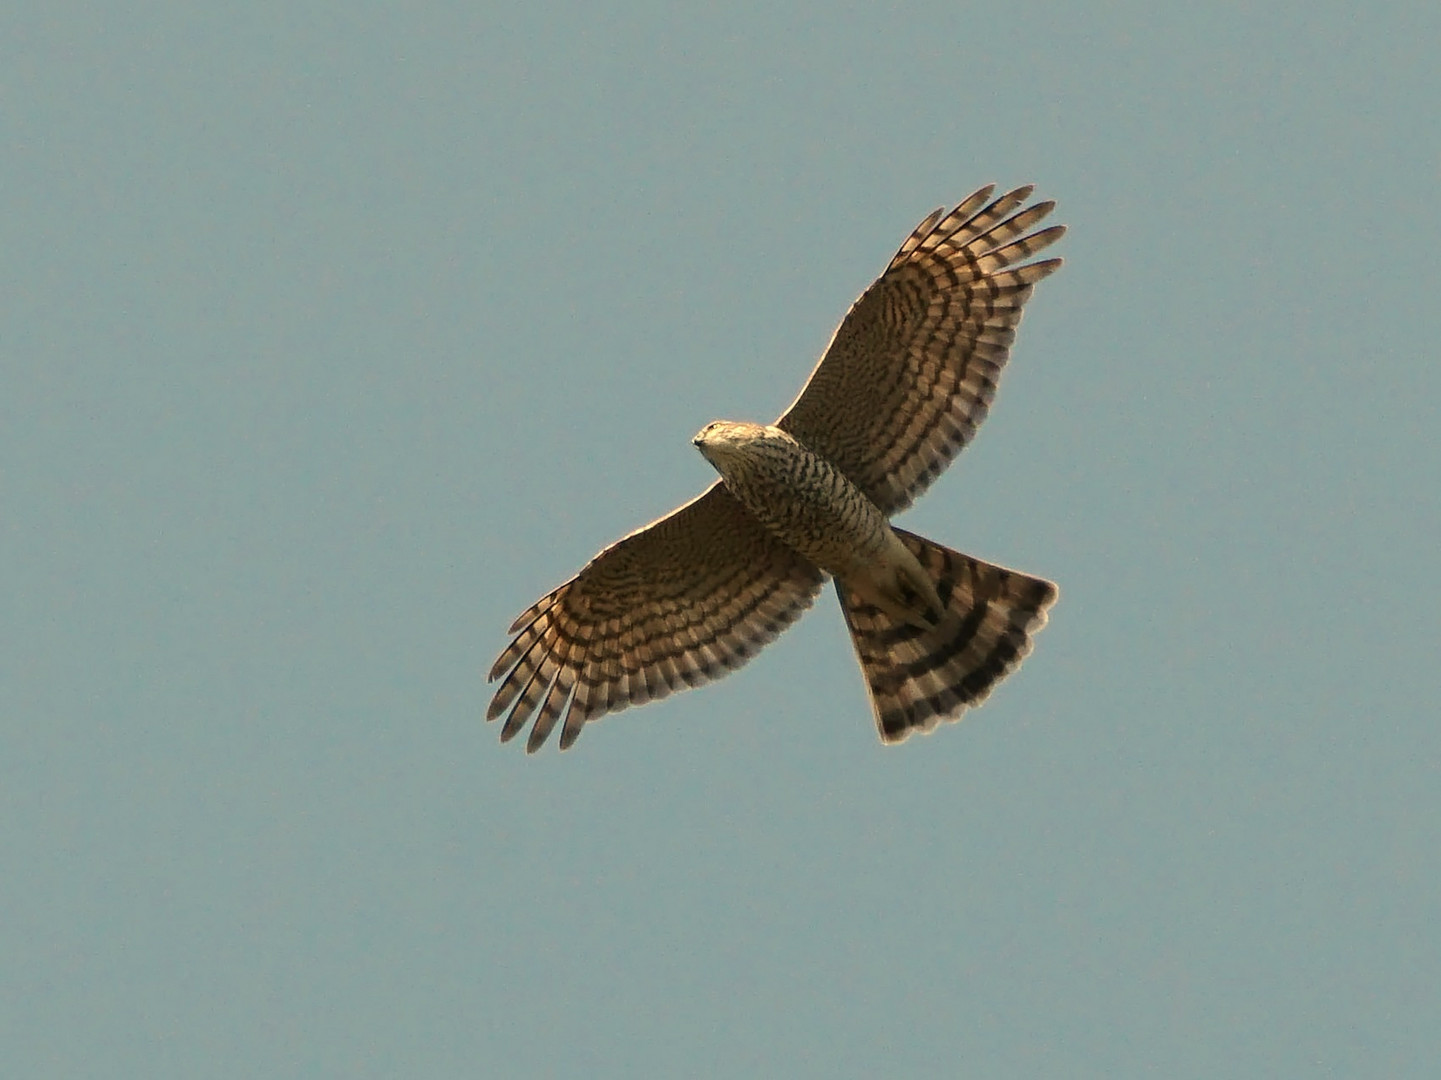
[{"x": 335, "y": 334}]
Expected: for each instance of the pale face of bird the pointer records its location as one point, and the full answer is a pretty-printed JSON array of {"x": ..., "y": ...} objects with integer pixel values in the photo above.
[{"x": 726, "y": 442}]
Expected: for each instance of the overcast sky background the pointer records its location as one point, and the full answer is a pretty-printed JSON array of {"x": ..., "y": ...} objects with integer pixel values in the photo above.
[{"x": 335, "y": 334}]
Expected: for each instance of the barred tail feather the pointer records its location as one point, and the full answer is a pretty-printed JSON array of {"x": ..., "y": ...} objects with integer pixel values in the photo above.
[{"x": 919, "y": 677}]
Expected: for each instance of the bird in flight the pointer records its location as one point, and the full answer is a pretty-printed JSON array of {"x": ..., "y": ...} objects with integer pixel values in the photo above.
[{"x": 905, "y": 381}]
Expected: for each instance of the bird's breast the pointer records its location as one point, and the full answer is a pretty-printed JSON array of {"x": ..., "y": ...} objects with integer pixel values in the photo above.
[{"x": 808, "y": 504}]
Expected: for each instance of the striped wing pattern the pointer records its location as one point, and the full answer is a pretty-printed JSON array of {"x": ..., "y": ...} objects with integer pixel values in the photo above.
[
  {"x": 912, "y": 369},
  {"x": 676, "y": 604},
  {"x": 917, "y": 678}
]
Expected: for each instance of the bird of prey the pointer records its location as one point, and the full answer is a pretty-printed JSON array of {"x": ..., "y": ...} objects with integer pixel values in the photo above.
[{"x": 906, "y": 379}]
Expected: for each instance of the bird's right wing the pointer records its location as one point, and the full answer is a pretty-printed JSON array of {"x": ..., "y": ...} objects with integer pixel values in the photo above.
[
  {"x": 676, "y": 604},
  {"x": 912, "y": 369}
]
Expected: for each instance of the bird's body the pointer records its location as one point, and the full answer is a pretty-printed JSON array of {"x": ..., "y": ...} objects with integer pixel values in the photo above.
[
  {"x": 905, "y": 381},
  {"x": 809, "y": 505}
]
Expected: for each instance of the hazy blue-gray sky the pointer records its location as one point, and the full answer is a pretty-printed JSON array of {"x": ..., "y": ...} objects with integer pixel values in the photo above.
[{"x": 334, "y": 334}]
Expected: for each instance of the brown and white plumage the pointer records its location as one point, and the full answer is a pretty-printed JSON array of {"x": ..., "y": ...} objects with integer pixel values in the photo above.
[
  {"x": 673, "y": 605},
  {"x": 918, "y": 676},
  {"x": 912, "y": 369},
  {"x": 908, "y": 376}
]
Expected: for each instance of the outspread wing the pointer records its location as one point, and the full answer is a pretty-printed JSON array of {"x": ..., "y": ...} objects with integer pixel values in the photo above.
[
  {"x": 912, "y": 368},
  {"x": 673, "y": 605}
]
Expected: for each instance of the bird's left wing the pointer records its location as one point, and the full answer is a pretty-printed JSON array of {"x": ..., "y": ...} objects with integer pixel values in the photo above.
[
  {"x": 912, "y": 369},
  {"x": 676, "y": 604}
]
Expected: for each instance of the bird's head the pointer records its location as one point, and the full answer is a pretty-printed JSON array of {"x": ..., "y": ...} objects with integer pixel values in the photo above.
[
  {"x": 722, "y": 433},
  {"x": 728, "y": 444}
]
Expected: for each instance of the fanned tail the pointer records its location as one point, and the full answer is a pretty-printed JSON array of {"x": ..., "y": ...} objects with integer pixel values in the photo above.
[{"x": 919, "y": 677}]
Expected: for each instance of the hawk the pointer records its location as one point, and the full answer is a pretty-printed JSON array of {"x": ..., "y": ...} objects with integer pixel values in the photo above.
[{"x": 907, "y": 378}]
